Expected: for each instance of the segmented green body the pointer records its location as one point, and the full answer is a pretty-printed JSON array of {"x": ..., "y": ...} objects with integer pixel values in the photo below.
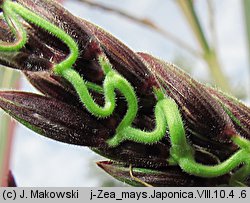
[{"x": 167, "y": 115}]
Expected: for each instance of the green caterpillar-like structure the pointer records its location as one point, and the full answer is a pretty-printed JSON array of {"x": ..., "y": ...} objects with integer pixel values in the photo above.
[{"x": 167, "y": 115}]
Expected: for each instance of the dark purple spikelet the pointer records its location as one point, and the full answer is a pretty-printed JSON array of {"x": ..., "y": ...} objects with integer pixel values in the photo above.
[
  {"x": 86, "y": 35},
  {"x": 239, "y": 112},
  {"x": 24, "y": 59},
  {"x": 74, "y": 125},
  {"x": 171, "y": 176},
  {"x": 203, "y": 115},
  {"x": 66, "y": 123},
  {"x": 11, "y": 180},
  {"x": 202, "y": 112},
  {"x": 53, "y": 118},
  {"x": 53, "y": 86}
]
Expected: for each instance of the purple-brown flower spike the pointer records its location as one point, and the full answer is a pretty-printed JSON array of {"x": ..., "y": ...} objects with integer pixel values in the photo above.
[
  {"x": 46, "y": 48},
  {"x": 170, "y": 176},
  {"x": 238, "y": 112},
  {"x": 203, "y": 114},
  {"x": 73, "y": 125},
  {"x": 69, "y": 123},
  {"x": 54, "y": 119},
  {"x": 11, "y": 180}
]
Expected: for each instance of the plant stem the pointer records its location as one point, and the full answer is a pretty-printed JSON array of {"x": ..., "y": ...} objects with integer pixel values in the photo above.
[
  {"x": 8, "y": 80},
  {"x": 148, "y": 23},
  {"x": 215, "y": 69},
  {"x": 246, "y": 6},
  {"x": 209, "y": 54}
]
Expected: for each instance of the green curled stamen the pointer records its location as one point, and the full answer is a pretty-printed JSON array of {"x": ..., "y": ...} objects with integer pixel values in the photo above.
[
  {"x": 14, "y": 9},
  {"x": 167, "y": 114},
  {"x": 17, "y": 29}
]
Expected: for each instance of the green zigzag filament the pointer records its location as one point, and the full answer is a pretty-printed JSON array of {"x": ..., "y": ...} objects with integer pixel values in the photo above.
[
  {"x": 167, "y": 112},
  {"x": 167, "y": 115},
  {"x": 112, "y": 81},
  {"x": 189, "y": 165},
  {"x": 16, "y": 28},
  {"x": 46, "y": 25}
]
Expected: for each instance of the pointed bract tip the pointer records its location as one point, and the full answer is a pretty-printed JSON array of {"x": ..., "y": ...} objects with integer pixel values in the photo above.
[{"x": 171, "y": 176}]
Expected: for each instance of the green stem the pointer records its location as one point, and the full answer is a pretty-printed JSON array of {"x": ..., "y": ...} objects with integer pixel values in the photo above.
[
  {"x": 3, "y": 144},
  {"x": 190, "y": 13},
  {"x": 189, "y": 165},
  {"x": 209, "y": 53},
  {"x": 216, "y": 71},
  {"x": 8, "y": 80},
  {"x": 246, "y": 6}
]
